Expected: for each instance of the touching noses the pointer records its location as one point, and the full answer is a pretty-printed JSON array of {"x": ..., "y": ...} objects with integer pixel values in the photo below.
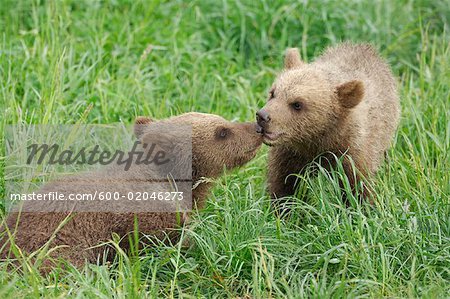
[{"x": 262, "y": 118}]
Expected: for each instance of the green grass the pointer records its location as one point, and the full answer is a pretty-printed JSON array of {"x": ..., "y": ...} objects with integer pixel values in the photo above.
[{"x": 63, "y": 62}]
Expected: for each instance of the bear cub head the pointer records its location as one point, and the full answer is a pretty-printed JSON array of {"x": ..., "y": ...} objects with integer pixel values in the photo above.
[
  {"x": 305, "y": 104},
  {"x": 216, "y": 142}
]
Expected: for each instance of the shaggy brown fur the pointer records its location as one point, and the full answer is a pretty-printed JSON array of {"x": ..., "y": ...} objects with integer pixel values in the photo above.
[
  {"x": 215, "y": 143},
  {"x": 344, "y": 102}
]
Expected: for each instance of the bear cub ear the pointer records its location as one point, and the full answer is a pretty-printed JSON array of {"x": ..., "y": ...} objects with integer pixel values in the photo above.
[
  {"x": 140, "y": 124},
  {"x": 350, "y": 93},
  {"x": 292, "y": 59}
]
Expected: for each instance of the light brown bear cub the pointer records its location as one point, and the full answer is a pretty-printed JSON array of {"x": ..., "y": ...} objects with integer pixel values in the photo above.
[
  {"x": 345, "y": 101},
  {"x": 216, "y": 143}
]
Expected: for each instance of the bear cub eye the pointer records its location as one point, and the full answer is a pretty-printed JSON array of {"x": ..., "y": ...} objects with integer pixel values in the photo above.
[
  {"x": 222, "y": 133},
  {"x": 297, "y": 105}
]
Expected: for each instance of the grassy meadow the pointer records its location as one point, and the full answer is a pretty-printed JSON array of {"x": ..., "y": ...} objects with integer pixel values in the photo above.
[{"x": 83, "y": 61}]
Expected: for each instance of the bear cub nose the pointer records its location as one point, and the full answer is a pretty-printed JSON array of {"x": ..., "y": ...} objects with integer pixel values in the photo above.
[{"x": 262, "y": 117}]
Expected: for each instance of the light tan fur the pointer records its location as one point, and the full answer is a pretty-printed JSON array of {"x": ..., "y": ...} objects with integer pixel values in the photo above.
[{"x": 347, "y": 103}]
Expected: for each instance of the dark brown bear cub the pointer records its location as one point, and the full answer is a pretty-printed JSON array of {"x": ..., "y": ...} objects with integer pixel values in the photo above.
[
  {"x": 77, "y": 237},
  {"x": 344, "y": 102}
]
